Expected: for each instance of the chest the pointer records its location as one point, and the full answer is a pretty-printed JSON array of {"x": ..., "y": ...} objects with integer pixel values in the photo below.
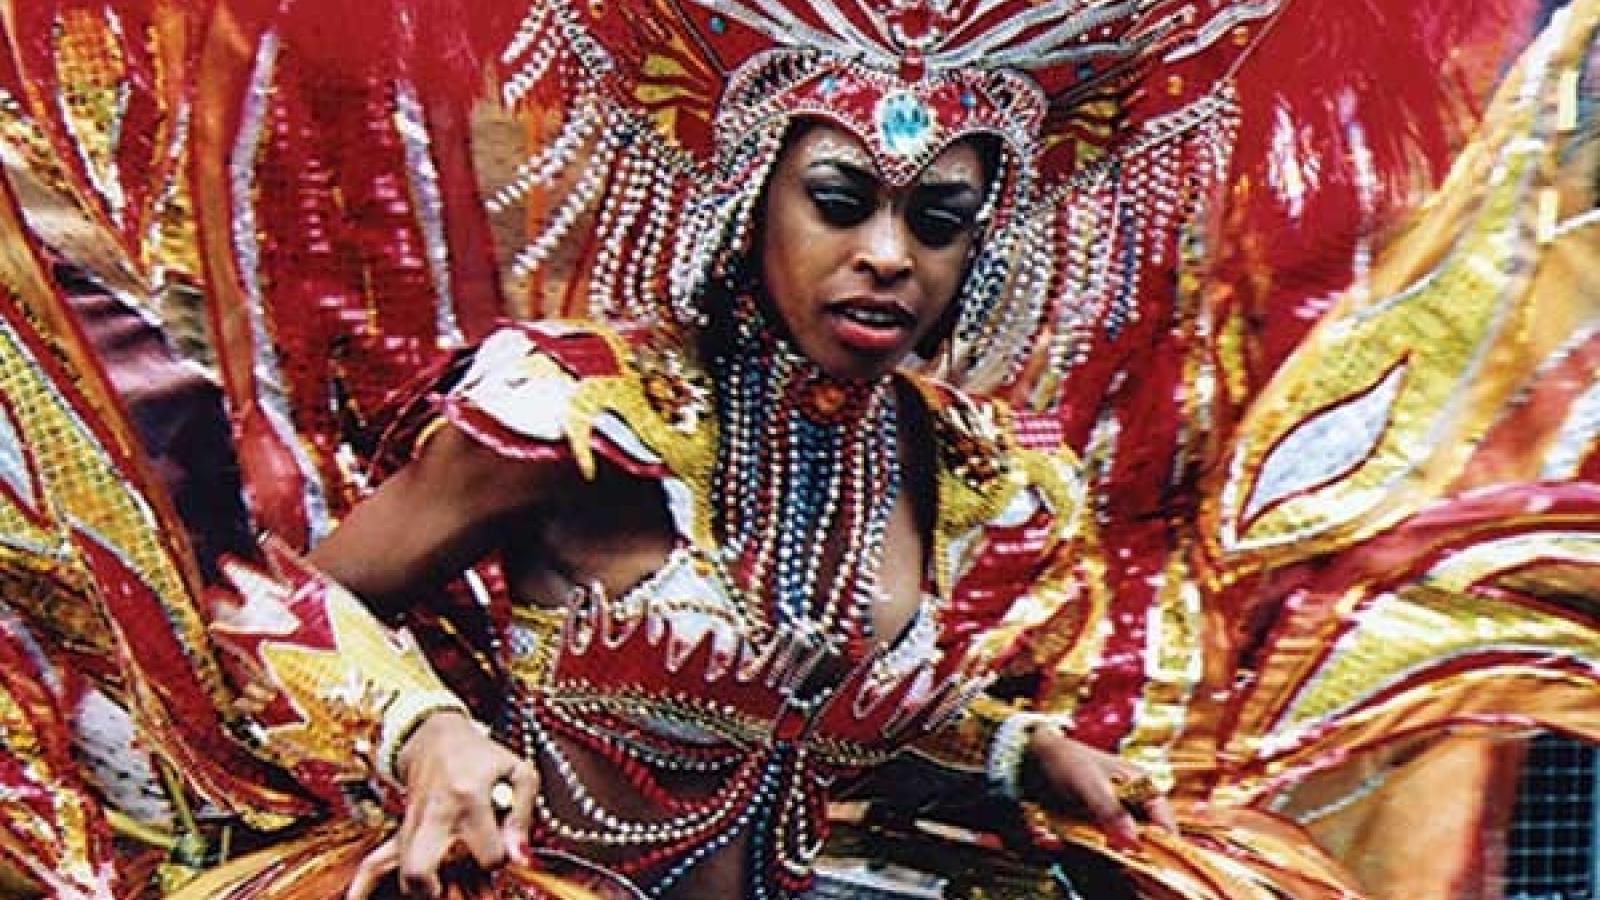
[{"x": 619, "y": 531}]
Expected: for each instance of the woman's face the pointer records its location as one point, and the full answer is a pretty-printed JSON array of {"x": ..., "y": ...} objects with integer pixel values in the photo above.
[{"x": 860, "y": 270}]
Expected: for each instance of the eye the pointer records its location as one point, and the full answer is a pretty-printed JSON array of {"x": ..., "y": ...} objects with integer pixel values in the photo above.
[
  {"x": 939, "y": 226},
  {"x": 841, "y": 207}
]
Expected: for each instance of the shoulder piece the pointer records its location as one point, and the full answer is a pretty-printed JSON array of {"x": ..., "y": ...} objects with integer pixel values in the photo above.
[
  {"x": 634, "y": 395},
  {"x": 1014, "y": 544},
  {"x": 1016, "y": 556},
  {"x": 991, "y": 459}
]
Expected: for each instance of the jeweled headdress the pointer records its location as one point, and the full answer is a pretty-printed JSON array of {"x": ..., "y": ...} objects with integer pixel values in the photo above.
[
  {"x": 683, "y": 104},
  {"x": 1317, "y": 603}
]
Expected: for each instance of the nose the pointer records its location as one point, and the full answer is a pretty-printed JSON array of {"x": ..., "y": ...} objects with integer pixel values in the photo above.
[{"x": 884, "y": 247}]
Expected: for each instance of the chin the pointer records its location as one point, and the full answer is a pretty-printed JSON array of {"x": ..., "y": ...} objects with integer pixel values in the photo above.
[{"x": 862, "y": 368}]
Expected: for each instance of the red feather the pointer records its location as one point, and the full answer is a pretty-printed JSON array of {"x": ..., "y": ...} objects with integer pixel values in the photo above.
[{"x": 1349, "y": 113}]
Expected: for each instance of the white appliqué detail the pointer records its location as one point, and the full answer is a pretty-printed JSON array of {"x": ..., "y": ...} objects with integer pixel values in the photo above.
[
  {"x": 1022, "y": 507},
  {"x": 263, "y": 606},
  {"x": 1026, "y": 612},
  {"x": 959, "y": 553},
  {"x": 618, "y": 431},
  {"x": 498, "y": 383},
  {"x": 104, "y": 738},
  {"x": 687, "y": 599},
  {"x": 681, "y": 504},
  {"x": 1326, "y": 445},
  {"x": 527, "y": 392},
  {"x": 1576, "y": 437},
  {"x": 13, "y": 461},
  {"x": 918, "y": 644}
]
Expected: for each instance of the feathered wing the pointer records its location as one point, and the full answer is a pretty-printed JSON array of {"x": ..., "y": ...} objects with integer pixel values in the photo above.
[
  {"x": 1397, "y": 535},
  {"x": 54, "y": 837},
  {"x": 95, "y": 558},
  {"x": 100, "y": 597},
  {"x": 103, "y": 624},
  {"x": 1419, "y": 462},
  {"x": 1214, "y": 492},
  {"x": 105, "y": 103},
  {"x": 324, "y": 175},
  {"x": 316, "y": 197}
]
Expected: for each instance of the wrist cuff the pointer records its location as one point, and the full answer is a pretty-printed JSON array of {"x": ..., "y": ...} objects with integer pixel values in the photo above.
[
  {"x": 1010, "y": 747},
  {"x": 401, "y": 718}
]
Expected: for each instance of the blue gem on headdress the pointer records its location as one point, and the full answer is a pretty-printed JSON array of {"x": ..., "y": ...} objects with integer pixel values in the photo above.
[
  {"x": 827, "y": 86},
  {"x": 969, "y": 100},
  {"x": 904, "y": 124},
  {"x": 718, "y": 24}
]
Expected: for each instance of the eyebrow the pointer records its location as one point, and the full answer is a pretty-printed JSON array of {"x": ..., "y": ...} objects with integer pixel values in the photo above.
[
  {"x": 948, "y": 190},
  {"x": 846, "y": 168},
  {"x": 944, "y": 189}
]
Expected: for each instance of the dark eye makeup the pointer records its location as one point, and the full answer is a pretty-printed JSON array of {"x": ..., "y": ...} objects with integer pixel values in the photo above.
[
  {"x": 938, "y": 225},
  {"x": 937, "y": 214},
  {"x": 840, "y": 206}
]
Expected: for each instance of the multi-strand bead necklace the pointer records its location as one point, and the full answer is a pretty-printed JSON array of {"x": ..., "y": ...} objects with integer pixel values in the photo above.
[{"x": 807, "y": 474}]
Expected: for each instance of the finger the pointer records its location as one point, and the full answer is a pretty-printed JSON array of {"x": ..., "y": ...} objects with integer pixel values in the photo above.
[
  {"x": 1090, "y": 782},
  {"x": 1160, "y": 812},
  {"x": 1092, "y": 786},
  {"x": 1108, "y": 812},
  {"x": 1122, "y": 830},
  {"x": 1099, "y": 796},
  {"x": 422, "y": 854},
  {"x": 480, "y": 834},
  {"x": 514, "y": 830},
  {"x": 383, "y": 859}
]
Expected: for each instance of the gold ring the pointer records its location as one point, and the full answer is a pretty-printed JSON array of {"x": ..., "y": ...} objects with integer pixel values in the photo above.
[
  {"x": 1134, "y": 790},
  {"x": 502, "y": 796}
]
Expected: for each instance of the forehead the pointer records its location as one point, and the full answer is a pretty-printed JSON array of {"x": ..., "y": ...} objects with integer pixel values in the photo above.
[{"x": 824, "y": 142}]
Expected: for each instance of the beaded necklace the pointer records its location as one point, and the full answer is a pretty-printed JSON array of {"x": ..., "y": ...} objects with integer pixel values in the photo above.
[{"x": 804, "y": 460}]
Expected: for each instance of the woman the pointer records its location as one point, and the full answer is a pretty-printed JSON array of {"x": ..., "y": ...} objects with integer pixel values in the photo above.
[
  {"x": 794, "y": 512},
  {"x": 748, "y": 556}
]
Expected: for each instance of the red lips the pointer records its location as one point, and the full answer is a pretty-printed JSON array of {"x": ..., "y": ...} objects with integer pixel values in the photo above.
[{"x": 870, "y": 324}]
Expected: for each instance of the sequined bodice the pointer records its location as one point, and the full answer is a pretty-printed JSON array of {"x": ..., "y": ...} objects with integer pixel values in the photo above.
[
  {"x": 674, "y": 679},
  {"x": 683, "y": 624}
]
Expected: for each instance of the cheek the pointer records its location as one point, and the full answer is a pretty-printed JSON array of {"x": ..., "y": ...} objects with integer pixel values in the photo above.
[
  {"x": 781, "y": 263},
  {"x": 801, "y": 255},
  {"x": 784, "y": 233},
  {"x": 945, "y": 271},
  {"x": 775, "y": 239},
  {"x": 785, "y": 278}
]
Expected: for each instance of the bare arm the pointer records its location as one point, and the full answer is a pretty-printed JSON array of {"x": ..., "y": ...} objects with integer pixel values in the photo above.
[{"x": 436, "y": 516}]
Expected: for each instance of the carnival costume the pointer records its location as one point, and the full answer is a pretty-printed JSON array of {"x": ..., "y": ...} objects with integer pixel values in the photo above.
[{"x": 1309, "y": 540}]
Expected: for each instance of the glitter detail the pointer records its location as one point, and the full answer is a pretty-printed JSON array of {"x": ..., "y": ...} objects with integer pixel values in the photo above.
[
  {"x": 424, "y": 180},
  {"x": 268, "y": 374},
  {"x": 904, "y": 124},
  {"x": 1326, "y": 445}
]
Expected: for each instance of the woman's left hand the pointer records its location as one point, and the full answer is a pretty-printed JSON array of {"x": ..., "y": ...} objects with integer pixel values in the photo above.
[{"x": 1074, "y": 772}]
